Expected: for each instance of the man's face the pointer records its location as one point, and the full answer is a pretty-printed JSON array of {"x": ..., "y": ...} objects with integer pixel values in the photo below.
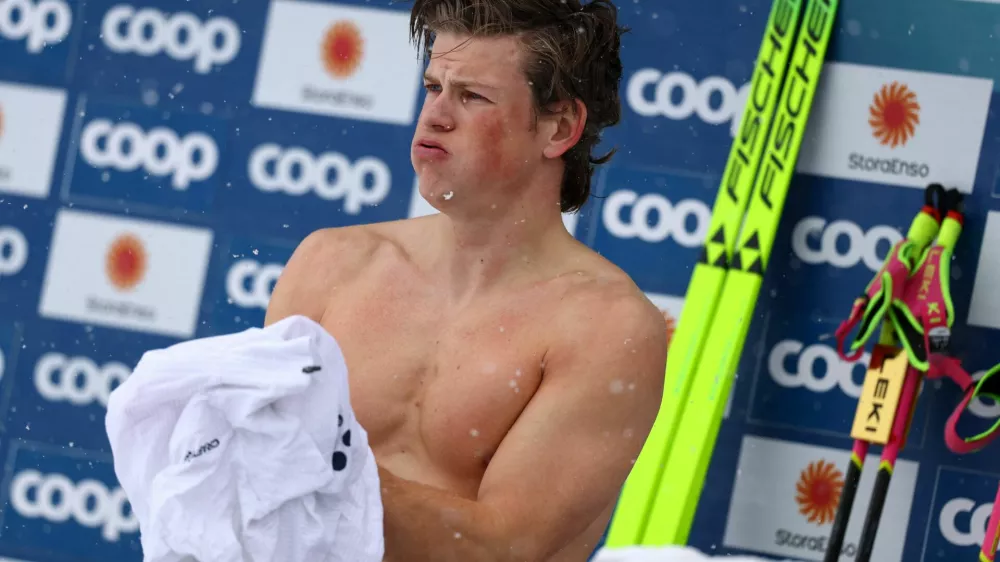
[{"x": 478, "y": 113}]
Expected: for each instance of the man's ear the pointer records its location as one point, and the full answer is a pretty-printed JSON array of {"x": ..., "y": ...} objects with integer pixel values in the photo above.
[{"x": 566, "y": 125}]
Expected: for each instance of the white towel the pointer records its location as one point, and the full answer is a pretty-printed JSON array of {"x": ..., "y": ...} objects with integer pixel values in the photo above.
[{"x": 244, "y": 448}]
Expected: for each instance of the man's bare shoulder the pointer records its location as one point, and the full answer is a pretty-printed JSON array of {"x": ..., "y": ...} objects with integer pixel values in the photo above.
[
  {"x": 600, "y": 304},
  {"x": 326, "y": 258},
  {"x": 341, "y": 251}
]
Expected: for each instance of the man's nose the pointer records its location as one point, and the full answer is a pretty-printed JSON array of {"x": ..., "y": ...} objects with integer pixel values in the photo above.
[{"x": 438, "y": 114}]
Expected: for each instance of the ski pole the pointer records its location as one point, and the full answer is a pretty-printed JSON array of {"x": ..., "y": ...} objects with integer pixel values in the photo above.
[
  {"x": 868, "y": 309},
  {"x": 887, "y": 462},
  {"x": 922, "y": 317}
]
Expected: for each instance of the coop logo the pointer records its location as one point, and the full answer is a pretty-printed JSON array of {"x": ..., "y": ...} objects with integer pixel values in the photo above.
[
  {"x": 56, "y": 499},
  {"x": 963, "y": 523},
  {"x": 817, "y": 495},
  {"x": 330, "y": 175},
  {"x": 148, "y": 32},
  {"x": 805, "y": 373},
  {"x": 78, "y": 379},
  {"x": 894, "y": 114},
  {"x": 159, "y": 151},
  {"x": 249, "y": 283},
  {"x": 13, "y": 251},
  {"x": 343, "y": 49},
  {"x": 678, "y": 96},
  {"x": 40, "y": 23},
  {"x": 125, "y": 263},
  {"x": 814, "y": 241},
  {"x": 653, "y": 218}
]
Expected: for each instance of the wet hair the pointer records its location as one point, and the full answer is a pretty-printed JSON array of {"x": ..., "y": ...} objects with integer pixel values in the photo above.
[{"x": 571, "y": 52}]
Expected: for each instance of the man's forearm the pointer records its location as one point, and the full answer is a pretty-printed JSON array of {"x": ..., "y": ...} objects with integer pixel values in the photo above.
[{"x": 426, "y": 524}]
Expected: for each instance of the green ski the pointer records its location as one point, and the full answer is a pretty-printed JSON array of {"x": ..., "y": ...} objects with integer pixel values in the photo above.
[
  {"x": 705, "y": 286},
  {"x": 687, "y": 462}
]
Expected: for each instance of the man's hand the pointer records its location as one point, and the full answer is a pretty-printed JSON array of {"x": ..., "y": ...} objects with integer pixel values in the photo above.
[{"x": 565, "y": 459}]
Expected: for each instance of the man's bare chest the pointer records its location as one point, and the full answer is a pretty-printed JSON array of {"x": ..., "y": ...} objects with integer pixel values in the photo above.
[{"x": 442, "y": 388}]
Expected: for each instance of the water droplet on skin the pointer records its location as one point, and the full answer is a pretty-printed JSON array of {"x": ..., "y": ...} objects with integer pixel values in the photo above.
[
  {"x": 616, "y": 387},
  {"x": 627, "y": 434},
  {"x": 448, "y": 196},
  {"x": 517, "y": 373},
  {"x": 474, "y": 432},
  {"x": 501, "y": 328},
  {"x": 631, "y": 386},
  {"x": 627, "y": 340},
  {"x": 513, "y": 383},
  {"x": 458, "y": 535}
]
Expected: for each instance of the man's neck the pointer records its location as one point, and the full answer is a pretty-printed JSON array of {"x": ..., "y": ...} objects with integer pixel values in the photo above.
[{"x": 480, "y": 253}]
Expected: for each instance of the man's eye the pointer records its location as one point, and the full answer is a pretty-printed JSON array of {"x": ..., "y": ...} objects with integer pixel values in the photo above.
[
  {"x": 473, "y": 96},
  {"x": 432, "y": 87}
]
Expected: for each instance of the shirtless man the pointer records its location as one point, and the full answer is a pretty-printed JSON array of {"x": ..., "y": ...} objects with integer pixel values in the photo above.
[{"x": 506, "y": 374}]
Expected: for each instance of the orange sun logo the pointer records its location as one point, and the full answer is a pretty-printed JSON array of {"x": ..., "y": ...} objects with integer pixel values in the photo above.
[
  {"x": 671, "y": 325},
  {"x": 343, "y": 48},
  {"x": 125, "y": 262},
  {"x": 894, "y": 114},
  {"x": 818, "y": 491}
]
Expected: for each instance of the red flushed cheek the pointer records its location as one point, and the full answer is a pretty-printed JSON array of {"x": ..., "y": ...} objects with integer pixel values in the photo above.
[{"x": 495, "y": 137}]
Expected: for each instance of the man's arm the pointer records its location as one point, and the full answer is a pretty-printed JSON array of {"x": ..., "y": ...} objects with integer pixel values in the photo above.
[{"x": 565, "y": 459}]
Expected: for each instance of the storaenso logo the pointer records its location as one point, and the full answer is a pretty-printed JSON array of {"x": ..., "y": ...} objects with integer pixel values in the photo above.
[
  {"x": 296, "y": 171},
  {"x": 201, "y": 450},
  {"x": 42, "y": 23},
  {"x": 148, "y": 32},
  {"x": 160, "y": 151},
  {"x": 13, "y": 251},
  {"x": 77, "y": 380},
  {"x": 893, "y": 166},
  {"x": 261, "y": 277},
  {"x": 652, "y": 218},
  {"x": 836, "y": 371},
  {"x": 861, "y": 245},
  {"x": 88, "y": 502},
  {"x": 818, "y": 496},
  {"x": 696, "y": 98},
  {"x": 973, "y": 521},
  {"x": 893, "y": 115}
]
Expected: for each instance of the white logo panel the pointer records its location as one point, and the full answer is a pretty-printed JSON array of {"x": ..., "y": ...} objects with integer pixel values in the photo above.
[
  {"x": 125, "y": 273},
  {"x": 897, "y": 127},
  {"x": 798, "y": 487},
  {"x": 341, "y": 61},
  {"x": 31, "y": 119}
]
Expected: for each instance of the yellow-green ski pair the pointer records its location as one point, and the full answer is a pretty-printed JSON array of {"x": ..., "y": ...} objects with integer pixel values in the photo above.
[{"x": 658, "y": 502}]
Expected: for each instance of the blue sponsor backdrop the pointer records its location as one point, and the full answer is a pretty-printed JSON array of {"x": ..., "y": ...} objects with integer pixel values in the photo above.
[{"x": 159, "y": 126}]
